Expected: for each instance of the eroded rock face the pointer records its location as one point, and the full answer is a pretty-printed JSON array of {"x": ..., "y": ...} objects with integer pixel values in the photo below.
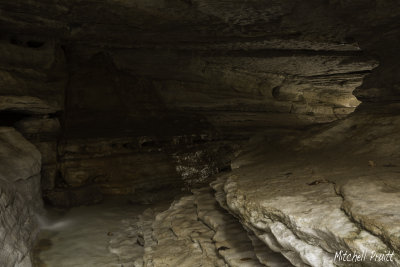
[
  {"x": 131, "y": 70},
  {"x": 20, "y": 198},
  {"x": 309, "y": 228},
  {"x": 170, "y": 234},
  {"x": 196, "y": 231},
  {"x": 236, "y": 246},
  {"x": 18, "y": 227},
  {"x": 315, "y": 203},
  {"x": 310, "y": 207}
]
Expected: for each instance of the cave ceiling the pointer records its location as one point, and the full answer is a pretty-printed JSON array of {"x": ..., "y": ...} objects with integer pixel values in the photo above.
[{"x": 233, "y": 63}]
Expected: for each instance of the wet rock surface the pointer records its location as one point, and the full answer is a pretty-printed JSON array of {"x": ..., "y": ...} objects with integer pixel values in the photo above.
[{"x": 100, "y": 235}]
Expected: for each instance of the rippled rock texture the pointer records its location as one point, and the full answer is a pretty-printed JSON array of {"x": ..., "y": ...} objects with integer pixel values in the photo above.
[{"x": 196, "y": 231}]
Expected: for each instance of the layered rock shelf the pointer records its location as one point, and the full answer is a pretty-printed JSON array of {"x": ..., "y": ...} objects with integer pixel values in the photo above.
[
  {"x": 306, "y": 211},
  {"x": 196, "y": 231},
  {"x": 315, "y": 204}
]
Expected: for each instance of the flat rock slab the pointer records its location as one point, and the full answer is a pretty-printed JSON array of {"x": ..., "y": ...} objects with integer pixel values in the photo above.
[
  {"x": 300, "y": 216},
  {"x": 27, "y": 104},
  {"x": 374, "y": 203}
]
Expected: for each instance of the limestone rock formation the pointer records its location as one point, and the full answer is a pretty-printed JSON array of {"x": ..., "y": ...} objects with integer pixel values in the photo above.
[
  {"x": 196, "y": 231},
  {"x": 157, "y": 70},
  {"x": 293, "y": 103},
  {"x": 316, "y": 204},
  {"x": 20, "y": 198},
  {"x": 133, "y": 70},
  {"x": 237, "y": 246},
  {"x": 182, "y": 239}
]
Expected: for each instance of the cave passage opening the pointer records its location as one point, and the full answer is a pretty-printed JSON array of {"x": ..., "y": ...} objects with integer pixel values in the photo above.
[{"x": 128, "y": 142}]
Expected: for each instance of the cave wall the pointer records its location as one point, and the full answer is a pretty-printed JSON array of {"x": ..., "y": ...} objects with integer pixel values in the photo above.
[
  {"x": 124, "y": 91},
  {"x": 20, "y": 197},
  {"x": 126, "y": 96},
  {"x": 128, "y": 110}
]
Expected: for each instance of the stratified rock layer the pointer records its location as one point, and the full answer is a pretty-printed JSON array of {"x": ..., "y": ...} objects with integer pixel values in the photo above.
[
  {"x": 236, "y": 246},
  {"x": 316, "y": 203},
  {"x": 87, "y": 80},
  {"x": 78, "y": 74}
]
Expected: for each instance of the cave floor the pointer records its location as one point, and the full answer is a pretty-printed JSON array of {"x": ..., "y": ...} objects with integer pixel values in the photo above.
[{"x": 97, "y": 235}]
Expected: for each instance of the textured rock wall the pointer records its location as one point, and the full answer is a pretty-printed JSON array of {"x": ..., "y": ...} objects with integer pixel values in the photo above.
[
  {"x": 20, "y": 198},
  {"x": 317, "y": 192},
  {"x": 34, "y": 76},
  {"x": 133, "y": 70},
  {"x": 123, "y": 96},
  {"x": 219, "y": 93}
]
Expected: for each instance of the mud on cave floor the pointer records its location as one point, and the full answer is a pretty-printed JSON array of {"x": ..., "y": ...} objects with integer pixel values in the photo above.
[{"x": 98, "y": 235}]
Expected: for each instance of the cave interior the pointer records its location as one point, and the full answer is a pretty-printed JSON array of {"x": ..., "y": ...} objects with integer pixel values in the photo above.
[{"x": 192, "y": 133}]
